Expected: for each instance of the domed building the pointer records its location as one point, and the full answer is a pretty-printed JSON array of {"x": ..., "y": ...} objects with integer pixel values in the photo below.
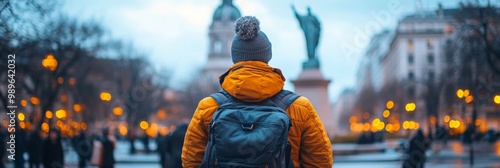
[{"x": 221, "y": 34}]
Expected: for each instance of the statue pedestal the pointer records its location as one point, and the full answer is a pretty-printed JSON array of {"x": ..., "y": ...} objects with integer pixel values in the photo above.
[{"x": 312, "y": 85}]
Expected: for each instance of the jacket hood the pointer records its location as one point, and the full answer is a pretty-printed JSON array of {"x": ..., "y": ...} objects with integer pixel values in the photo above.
[{"x": 252, "y": 81}]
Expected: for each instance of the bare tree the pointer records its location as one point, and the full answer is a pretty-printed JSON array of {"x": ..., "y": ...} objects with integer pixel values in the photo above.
[{"x": 195, "y": 90}]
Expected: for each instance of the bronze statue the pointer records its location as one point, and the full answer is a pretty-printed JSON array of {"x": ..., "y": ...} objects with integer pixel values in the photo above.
[{"x": 312, "y": 28}]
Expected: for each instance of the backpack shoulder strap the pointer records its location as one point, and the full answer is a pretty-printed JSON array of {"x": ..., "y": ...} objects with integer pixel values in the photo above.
[
  {"x": 221, "y": 97},
  {"x": 284, "y": 98}
]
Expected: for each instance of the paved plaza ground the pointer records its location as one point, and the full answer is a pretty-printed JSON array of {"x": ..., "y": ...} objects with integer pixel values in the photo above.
[{"x": 455, "y": 155}]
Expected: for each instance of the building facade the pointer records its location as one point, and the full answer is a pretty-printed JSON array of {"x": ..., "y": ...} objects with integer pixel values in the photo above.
[{"x": 221, "y": 33}]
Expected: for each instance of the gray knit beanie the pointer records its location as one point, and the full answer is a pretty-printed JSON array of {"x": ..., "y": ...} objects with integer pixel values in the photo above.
[{"x": 250, "y": 44}]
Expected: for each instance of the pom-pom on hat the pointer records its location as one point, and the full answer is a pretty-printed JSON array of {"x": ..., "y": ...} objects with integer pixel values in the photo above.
[{"x": 250, "y": 44}]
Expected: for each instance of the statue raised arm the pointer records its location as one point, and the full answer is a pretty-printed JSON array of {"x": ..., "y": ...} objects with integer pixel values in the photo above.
[{"x": 311, "y": 27}]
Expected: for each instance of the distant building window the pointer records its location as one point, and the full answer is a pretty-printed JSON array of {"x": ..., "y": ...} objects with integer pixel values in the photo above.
[
  {"x": 217, "y": 46},
  {"x": 410, "y": 45},
  {"x": 411, "y": 59},
  {"x": 411, "y": 76},
  {"x": 411, "y": 92},
  {"x": 430, "y": 58},
  {"x": 430, "y": 44},
  {"x": 409, "y": 28},
  {"x": 431, "y": 75}
]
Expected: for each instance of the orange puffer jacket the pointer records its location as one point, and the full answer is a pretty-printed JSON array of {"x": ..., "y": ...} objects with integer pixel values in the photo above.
[{"x": 255, "y": 81}]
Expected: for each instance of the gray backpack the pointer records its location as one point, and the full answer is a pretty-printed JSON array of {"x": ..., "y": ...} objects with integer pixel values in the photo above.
[{"x": 250, "y": 135}]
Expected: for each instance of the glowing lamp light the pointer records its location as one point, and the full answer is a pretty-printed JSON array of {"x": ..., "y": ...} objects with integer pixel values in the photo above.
[
  {"x": 446, "y": 118},
  {"x": 466, "y": 92},
  {"x": 22, "y": 125},
  {"x": 59, "y": 124},
  {"x": 353, "y": 119},
  {"x": 469, "y": 99},
  {"x": 366, "y": 127},
  {"x": 49, "y": 62},
  {"x": 163, "y": 131},
  {"x": 77, "y": 107},
  {"x": 61, "y": 113},
  {"x": 375, "y": 122},
  {"x": 162, "y": 114},
  {"x": 496, "y": 99},
  {"x": 45, "y": 127},
  {"x": 389, "y": 104},
  {"x": 74, "y": 125},
  {"x": 72, "y": 81},
  {"x": 21, "y": 117},
  {"x": 380, "y": 126},
  {"x": 60, "y": 80},
  {"x": 410, "y": 107},
  {"x": 144, "y": 125},
  {"x": 23, "y": 102},
  {"x": 460, "y": 93},
  {"x": 478, "y": 122},
  {"x": 34, "y": 100},
  {"x": 412, "y": 125},
  {"x": 389, "y": 128},
  {"x": 105, "y": 96},
  {"x": 406, "y": 125},
  {"x": 386, "y": 113},
  {"x": 123, "y": 130},
  {"x": 49, "y": 114},
  {"x": 118, "y": 111},
  {"x": 83, "y": 126},
  {"x": 454, "y": 124}
]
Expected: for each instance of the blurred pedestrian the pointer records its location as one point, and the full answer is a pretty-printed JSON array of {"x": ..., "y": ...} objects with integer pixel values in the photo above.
[
  {"x": 83, "y": 148},
  {"x": 131, "y": 138},
  {"x": 35, "y": 149},
  {"x": 174, "y": 146},
  {"x": 416, "y": 152},
  {"x": 52, "y": 151},
  {"x": 108, "y": 146},
  {"x": 145, "y": 141},
  {"x": 162, "y": 142}
]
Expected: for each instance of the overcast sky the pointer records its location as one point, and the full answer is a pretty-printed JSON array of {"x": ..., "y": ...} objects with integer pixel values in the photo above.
[{"x": 174, "y": 33}]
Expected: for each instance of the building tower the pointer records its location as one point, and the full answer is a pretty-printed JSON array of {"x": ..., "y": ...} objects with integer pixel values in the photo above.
[{"x": 221, "y": 35}]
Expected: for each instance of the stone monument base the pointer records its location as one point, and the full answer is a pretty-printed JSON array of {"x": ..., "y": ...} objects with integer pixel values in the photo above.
[{"x": 312, "y": 85}]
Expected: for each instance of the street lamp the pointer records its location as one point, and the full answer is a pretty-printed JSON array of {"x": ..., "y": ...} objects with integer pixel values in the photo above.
[
  {"x": 77, "y": 107},
  {"x": 23, "y": 102},
  {"x": 21, "y": 117},
  {"x": 496, "y": 99},
  {"x": 144, "y": 125},
  {"x": 466, "y": 92},
  {"x": 105, "y": 96},
  {"x": 469, "y": 99},
  {"x": 118, "y": 111},
  {"x": 410, "y": 107},
  {"x": 34, "y": 100},
  {"x": 61, "y": 114},
  {"x": 48, "y": 114},
  {"x": 389, "y": 104},
  {"x": 460, "y": 93},
  {"x": 386, "y": 113},
  {"x": 50, "y": 62}
]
